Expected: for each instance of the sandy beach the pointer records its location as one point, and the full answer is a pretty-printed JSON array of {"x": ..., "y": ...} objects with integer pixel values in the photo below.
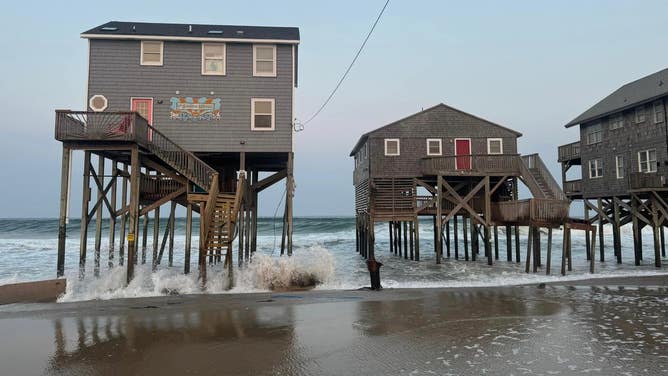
[{"x": 600, "y": 326}]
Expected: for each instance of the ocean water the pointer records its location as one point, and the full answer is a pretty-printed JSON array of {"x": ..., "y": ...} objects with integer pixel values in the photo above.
[{"x": 324, "y": 249}]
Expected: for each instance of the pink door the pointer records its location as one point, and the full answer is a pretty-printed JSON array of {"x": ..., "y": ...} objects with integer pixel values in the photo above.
[
  {"x": 144, "y": 107},
  {"x": 463, "y": 153}
]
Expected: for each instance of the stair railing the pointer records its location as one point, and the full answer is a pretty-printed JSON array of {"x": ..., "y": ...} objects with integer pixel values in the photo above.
[{"x": 534, "y": 161}]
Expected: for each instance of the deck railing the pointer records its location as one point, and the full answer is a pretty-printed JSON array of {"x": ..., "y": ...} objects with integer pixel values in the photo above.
[
  {"x": 535, "y": 210},
  {"x": 569, "y": 151},
  {"x": 78, "y": 126},
  {"x": 473, "y": 164},
  {"x": 573, "y": 187},
  {"x": 643, "y": 180}
]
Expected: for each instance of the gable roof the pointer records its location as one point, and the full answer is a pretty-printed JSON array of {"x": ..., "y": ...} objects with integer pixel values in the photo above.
[
  {"x": 365, "y": 136},
  {"x": 630, "y": 95},
  {"x": 194, "y": 32}
]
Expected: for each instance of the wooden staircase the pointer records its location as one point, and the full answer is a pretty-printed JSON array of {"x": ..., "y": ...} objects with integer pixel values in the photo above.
[
  {"x": 221, "y": 228},
  {"x": 538, "y": 179}
]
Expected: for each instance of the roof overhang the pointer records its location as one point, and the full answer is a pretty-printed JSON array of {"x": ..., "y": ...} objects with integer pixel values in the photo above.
[
  {"x": 578, "y": 121},
  {"x": 186, "y": 39}
]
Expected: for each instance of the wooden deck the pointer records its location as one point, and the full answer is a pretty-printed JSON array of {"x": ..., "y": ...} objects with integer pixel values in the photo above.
[
  {"x": 569, "y": 152},
  {"x": 472, "y": 165},
  {"x": 531, "y": 212},
  {"x": 641, "y": 181}
]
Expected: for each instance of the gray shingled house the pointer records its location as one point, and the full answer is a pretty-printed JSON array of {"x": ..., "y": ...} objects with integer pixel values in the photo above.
[
  {"x": 195, "y": 115},
  {"x": 622, "y": 156},
  {"x": 448, "y": 164}
]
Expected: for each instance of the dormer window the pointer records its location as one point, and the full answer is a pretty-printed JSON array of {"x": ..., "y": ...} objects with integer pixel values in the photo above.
[
  {"x": 434, "y": 146},
  {"x": 151, "y": 52},
  {"x": 213, "y": 59},
  {"x": 264, "y": 60},
  {"x": 392, "y": 147}
]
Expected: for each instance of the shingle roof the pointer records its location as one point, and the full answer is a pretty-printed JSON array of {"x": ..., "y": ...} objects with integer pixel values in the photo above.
[
  {"x": 634, "y": 93},
  {"x": 117, "y": 29},
  {"x": 365, "y": 136}
]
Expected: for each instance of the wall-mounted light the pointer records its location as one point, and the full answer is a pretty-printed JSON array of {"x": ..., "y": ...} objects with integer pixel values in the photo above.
[
  {"x": 177, "y": 92},
  {"x": 212, "y": 93}
]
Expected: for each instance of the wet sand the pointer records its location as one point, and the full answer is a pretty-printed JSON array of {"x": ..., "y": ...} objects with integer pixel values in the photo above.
[{"x": 603, "y": 326}]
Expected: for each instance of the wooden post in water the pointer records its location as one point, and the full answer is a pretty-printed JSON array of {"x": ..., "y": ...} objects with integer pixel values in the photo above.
[
  {"x": 536, "y": 248},
  {"x": 517, "y": 244},
  {"x": 156, "y": 236},
  {"x": 637, "y": 240},
  {"x": 254, "y": 195},
  {"x": 411, "y": 231},
  {"x": 288, "y": 202},
  {"x": 84, "y": 215},
  {"x": 488, "y": 224},
  {"x": 405, "y": 225},
  {"x": 496, "y": 242},
  {"x": 172, "y": 225},
  {"x": 570, "y": 254},
  {"x": 586, "y": 218},
  {"x": 99, "y": 181},
  {"x": 144, "y": 239},
  {"x": 417, "y": 239},
  {"x": 616, "y": 235},
  {"x": 189, "y": 233},
  {"x": 133, "y": 212},
  {"x": 112, "y": 216},
  {"x": 593, "y": 252},
  {"x": 548, "y": 262},
  {"x": 466, "y": 240},
  {"x": 600, "y": 229},
  {"x": 529, "y": 240},
  {"x": 62, "y": 218},
  {"x": 439, "y": 218},
  {"x": 455, "y": 235},
  {"x": 655, "y": 229},
  {"x": 447, "y": 238},
  {"x": 509, "y": 244},
  {"x": 564, "y": 250},
  {"x": 390, "y": 230}
]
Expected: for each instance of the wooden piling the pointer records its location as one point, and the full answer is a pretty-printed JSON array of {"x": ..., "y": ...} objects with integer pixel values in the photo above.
[
  {"x": 84, "y": 215},
  {"x": 529, "y": 241},
  {"x": 466, "y": 240},
  {"x": 405, "y": 226},
  {"x": 113, "y": 214},
  {"x": 144, "y": 239},
  {"x": 99, "y": 181},
  {"x": 455, "y": 235},
  {"x": 655, "y": 231},
  {"x": 133, "y": 212},
  {"x": 172, "y": 225},
  {"x": 417, "y": 239},
  {"x": 496, "y": 242},
  {"x": 517, "y": 244},
  {"x": 616, "y": 233},
  {"x": 189, "y": 230},
  {"x": 601, "y": 237},
  {"x": 156, "y": 236},
  {"x": 124, "y": 202},
  {"x": 62, "y": 218},
  {"x": 411, "y": 242},
  {"x": 447, "y": 238},
  {"x": 548, "y": 262},
  {"x": 509, "y": 243}
]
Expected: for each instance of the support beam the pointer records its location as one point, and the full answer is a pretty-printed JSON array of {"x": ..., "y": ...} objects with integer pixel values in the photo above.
[
  {"x": 156, "y": 236},
  {"x": 439, "y": 218},
  {"x": 113, "y": 215},
  {"x": 84, "y": 215},
  {"x": 189, "y": 231},
  {"x": 64, "y": 204},
  {"x": 98, "y": 215},
  {"x": 134, "y": 212}
]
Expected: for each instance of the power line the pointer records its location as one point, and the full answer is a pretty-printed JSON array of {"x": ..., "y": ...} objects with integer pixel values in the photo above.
[{"x": 359, "y": 51}]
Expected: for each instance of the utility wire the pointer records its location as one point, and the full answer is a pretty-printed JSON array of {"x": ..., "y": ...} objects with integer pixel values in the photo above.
[
  {"x": 273, "y": 248},
  {"x": 359, "y": 51}
]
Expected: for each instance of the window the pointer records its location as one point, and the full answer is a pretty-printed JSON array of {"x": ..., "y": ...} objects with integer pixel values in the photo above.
[
  {"x": 151, "y": 52},
  {"x": 494, "y": 146},
  {"x": 640, "y": 114},
  {"x": 264, "y": 60},
  {"x": 658, "y": 112},
  {"x": 647, "y": 160},
  {"x": 262, "y": 114},
  {"x": 213, "y": 59},
  {"x": 392, "y": 146},
  {"x": 365, "y": 151},
  {"x": 594, "y": 134},
  {"x": 434, "y": 146},
  {"x": 595, "y": 168},
  {"x": 616, "y": 121},
  {"x": 98, "y": 102},
  {"x": 619, "y": 166}
]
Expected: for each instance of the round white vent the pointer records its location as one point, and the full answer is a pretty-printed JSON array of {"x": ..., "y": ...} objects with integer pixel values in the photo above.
[{"x": 98, "y": 103}]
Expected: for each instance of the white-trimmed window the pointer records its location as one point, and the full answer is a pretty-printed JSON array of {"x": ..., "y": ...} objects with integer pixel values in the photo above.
[
  {"x": 264, "y": 60},
  {"x": 392, "y": 147},
  {"x": 98, "y": 102},
  {"x": 640, "y": 114},
  {"x": 647, "y": 160},
  {"x": 619, "y": 166},
  {"x": 594, "y": 134},
  {"x": 213, "y": 59},
  {"x": 658, "y": 112},
  {"x": 151, "y": 52},
  {"x": 494, "y": 146},
  {"x": 595, "y": 168},
  {"x": 616, "y": 121},
  {"x": 262, "y": 114},
  {"x": 434, "y": 146}
]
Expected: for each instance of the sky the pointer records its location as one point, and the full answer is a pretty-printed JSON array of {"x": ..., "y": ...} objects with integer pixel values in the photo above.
[{"x": 528, "y": 65}]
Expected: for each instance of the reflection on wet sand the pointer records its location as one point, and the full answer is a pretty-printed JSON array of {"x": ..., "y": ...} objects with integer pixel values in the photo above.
[{"x": 519, "y": 330}]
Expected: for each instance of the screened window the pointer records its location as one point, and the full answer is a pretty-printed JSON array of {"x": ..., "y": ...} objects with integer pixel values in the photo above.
[
  {"x": 213, "y": 58},
  {"x": 658, "y": 112},
  {"x": 616, "y": 121},
  {"x": 595, "y": 168},
  {"x": 640, "y": 114},
  {"x": 619, "y": 166},
  {"x": 392, "y": 146},
  {"x": 594, "y": 134},
  {"x": 494, "y": 146},
  {"x": 647, "y": 160},
  {"x": 151, "y": 53},
  {"x": 264, "y": 60},
  {"x": 262, "y": 116},
  {"x": 434, "y": 146}
]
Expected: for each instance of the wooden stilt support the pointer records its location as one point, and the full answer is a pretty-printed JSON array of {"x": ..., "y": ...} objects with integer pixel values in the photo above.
[
  {"x": 655, "y": 229},
  {"x": 439, "y": 218},
  {"x": 156, "y": 236},
  {"x": 288, "y": 202},
  {"x": 536, "y": 248},
  {"x": 144, "y": 239},
  {"x": 189, "y": 233},
  {"x": 62, "y": 218},
  {"x": 517, "y": 244},
  {"x": 98, "y": 214},
  {"x": 447, "y": 238},
  {"x": 411, "y": 231},
  {"x": 133, "y": 212},
  {"x": 113, "y": 215},
  {"x": 466, "y": 240},
  {"x": 84, "y": 215},
  {"x": 391, "y": 232},
  {"x": 593, "y": 252},
  {"x": 496, "y": 242},
  {"x": 405, "y": 226},
  {"x": 616, "y": 233},
  {"x": 587, "y": 240},
  {"x": 509, "y": 243},
  {"x": 548, "y": 262},
  {"x": 637, "y": 240},
  {"x": 124, "y": 217},
  {"x": 417, "y": 239},
  {"x": 455, "y": 235},
  {"x": 529, "y": 241},
  {"x": 564, "y": 250},
  {"x": 172, "y": 224},
  {"x": 601, "y": 238}
]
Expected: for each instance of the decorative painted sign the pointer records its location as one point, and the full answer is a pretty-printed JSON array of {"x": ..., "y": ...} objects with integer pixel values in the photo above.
[{"x": 188, "y": 108}]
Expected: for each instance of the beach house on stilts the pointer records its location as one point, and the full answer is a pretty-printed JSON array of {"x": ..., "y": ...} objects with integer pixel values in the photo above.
[
  {"x": 178, "y": 114},
  {"x": 620, "y": 164},
  {"x": 460, "y": 170}
]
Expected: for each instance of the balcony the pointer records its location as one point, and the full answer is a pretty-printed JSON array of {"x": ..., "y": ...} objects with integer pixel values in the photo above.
[
  {"x": 573, "y": 187},
  {"x": 531, "y": 211},
  {"x": 472, "y": 165},
  {"x": 640, "y": 181},
  {"x": 569, "y": 152}
]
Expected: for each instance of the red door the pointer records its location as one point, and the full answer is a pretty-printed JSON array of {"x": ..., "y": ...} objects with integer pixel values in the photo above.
[{"x": 463, "y": 153}]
